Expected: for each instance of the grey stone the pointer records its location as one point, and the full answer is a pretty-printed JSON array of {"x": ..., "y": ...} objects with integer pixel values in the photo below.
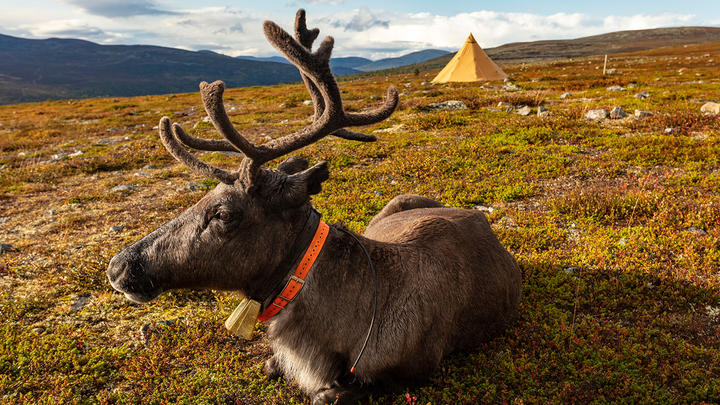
[
  {"x": 611, "y": 71},
  {"x": 642, "y": 95},
  {"x": 566, "y": 95},
  {"x": 669, "y": 131},
  {"x": 504, "y": 104},
  {"x": 493, "y": 109},
  {"x": 194, "y": 187},
  {"x": 117, "y": 228},
  {"x": 307, "y": 102},
  {"x": 710, "y": 108},
  {"x": 149, "y": 167},
  {"x": 124, "y": 187},
  {"x": 571, "y": 270},
  {"x": 4, "y": 247},
  {"x": 617, "y": 113},
  {"x": 448, "y": 105},
  {"x": 632, "y": 86},
  {"x": 80, "y": 302},
  {"x": 524, "y": 111},
  {"x": 484, "y": 208},
  {"x": 616, "y": 88},
  {"x": 599, "y": 114},
  {"x": 696, "y": 231},
  {"x": 642, "y": 114},
  {"x": 378, "y": 193},
  {"x": 510, "y": 86}
]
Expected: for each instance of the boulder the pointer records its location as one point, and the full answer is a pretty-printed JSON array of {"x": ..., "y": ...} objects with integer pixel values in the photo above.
[
  {"x": 599, "y": 114},
  {"x": 524, "y": 110},
  {"x": 566, "y": 95},
  {"x": 448, "y": 105},
  {"x": 616, "y": 88},
  {"x": 710, "y": 108},
  {"x": 642, "y": 95},
  {"x": 642, "y": 114},
  {"x": 617, "y": 113}
]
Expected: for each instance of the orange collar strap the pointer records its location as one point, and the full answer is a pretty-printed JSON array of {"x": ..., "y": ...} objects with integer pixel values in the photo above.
[{"x": 297, "y": 280}]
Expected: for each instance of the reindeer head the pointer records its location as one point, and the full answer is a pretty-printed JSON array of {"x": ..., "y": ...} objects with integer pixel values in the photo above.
[{"x": 239, "y": 232}]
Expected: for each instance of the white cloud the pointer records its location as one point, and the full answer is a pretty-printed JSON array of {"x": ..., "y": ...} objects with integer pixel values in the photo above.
[{"x": 71, "y": 29}]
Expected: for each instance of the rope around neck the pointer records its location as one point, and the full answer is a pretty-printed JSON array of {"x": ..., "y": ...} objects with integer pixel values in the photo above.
[{"x": 372, "y": 322}]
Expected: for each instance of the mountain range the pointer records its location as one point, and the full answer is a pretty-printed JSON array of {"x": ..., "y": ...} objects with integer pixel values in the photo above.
[{"x": 36, "y": 70}]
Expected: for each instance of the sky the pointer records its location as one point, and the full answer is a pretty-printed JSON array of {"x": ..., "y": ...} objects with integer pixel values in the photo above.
[{"x": 372, "y": 29}]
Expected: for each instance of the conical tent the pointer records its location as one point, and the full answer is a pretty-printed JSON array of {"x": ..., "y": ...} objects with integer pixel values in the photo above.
[{"x": 470, "y": 64}]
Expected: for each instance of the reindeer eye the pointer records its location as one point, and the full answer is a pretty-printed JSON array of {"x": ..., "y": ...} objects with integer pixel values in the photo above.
[{"x": 224, "y": 216}]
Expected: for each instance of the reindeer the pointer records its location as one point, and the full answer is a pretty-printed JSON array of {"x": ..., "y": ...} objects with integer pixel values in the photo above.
[{"x": 422, "y": 282}]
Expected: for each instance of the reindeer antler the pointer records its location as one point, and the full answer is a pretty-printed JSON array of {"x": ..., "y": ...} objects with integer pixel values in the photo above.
[{"x": 330, "y": 117}]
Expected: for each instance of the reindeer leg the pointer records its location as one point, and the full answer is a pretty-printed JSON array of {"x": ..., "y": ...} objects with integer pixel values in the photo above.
[
  {"x": 351, "y": 393},
  {"x": 272, "y": 368}
]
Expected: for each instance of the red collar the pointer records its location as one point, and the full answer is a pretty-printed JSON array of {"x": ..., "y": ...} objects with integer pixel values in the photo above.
[{"x": 297, "y": 280}]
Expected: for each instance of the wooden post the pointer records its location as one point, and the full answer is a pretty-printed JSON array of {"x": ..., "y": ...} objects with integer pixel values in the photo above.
[{"x": 605, "y": 65}]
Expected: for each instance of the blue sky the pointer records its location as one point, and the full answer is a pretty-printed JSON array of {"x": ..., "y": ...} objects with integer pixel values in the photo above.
[{"x": 373, "y": 29}]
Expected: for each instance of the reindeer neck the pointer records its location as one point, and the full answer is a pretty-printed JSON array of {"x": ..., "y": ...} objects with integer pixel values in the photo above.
[{"x": 280, "y": 276}]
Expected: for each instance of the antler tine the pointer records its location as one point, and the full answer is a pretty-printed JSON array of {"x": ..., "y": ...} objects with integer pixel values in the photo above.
[
  {"x": 306, "y": 38},
  {"x": 316, "y": 67},
  {"x": 184, "y": 157},
  {"x": 212, "y": 100},
  {"x": 213, "y": 145}
]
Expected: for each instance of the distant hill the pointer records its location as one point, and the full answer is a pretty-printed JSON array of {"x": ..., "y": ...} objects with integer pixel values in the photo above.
[
  {"x": 278, "y": 59},
  {"x": 35, "y": 70},
  {"x": 611, "y": 43},
  {"x": 409, "y": 59}
]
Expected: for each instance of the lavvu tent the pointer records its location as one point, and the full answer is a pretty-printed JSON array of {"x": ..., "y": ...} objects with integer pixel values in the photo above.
[{"x": 470, "y": 64}]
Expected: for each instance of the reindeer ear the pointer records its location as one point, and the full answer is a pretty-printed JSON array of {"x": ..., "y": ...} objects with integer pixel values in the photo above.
[
  {"x": 292, "y": 165},
  {"x": 300, "y": 186}
]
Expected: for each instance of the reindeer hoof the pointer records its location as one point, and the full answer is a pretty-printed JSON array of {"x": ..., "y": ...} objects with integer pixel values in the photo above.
[{"x": 272, "y": 369}]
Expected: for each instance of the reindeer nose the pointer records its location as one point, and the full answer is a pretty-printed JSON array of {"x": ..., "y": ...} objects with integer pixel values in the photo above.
[{"x": 118, "y": 268}]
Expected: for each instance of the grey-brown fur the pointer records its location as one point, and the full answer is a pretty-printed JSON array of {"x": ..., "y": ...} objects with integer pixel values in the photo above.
[{"x": 445, "y": 283}]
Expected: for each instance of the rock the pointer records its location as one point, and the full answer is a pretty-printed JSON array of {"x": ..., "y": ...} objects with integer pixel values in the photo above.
[
  {"x": 616, "y": 88},
  {"x": 642, "y": 95},
  {"x": 378, "y": 193},
  {"x": 148, "y": 167},
  {"x": 642, "y": 114},
  {"x": 596, "y": 114},
  {"x": 544, "y": 112},
  {"x": 696, "y": 231},
  {"x": 571, "y": 270},
  {"x": 426, "y": 83},
  {"x": 375, "y": 98},
  {"x": 4, "y": 247},
  {"x": 617, "y": 113},
  {"x": 493, "y": 109},
  {"x": 448, "y": 105},
  {"x": 80, "y": 302},
  {"x": 483, "y": 208},
  {"x": 116, "y": 228},
  {"x": 632, "y": 86},
  {"x": 154, "y": 329},
  {"x": 124, "y": 187},
  {"x": 232, "y": 154},
  {"x": 611, "y": 71},
  {"x": 76, "y": 153},
  {"x": 510, "y": 86},
  {"x": 566, "y": 95},
  {"x": 142, "y": 174},
  {"x": 194, "y": 187},
  {"x": 52, "y": 212},
  {"x": 392, "y": 129},
  {"x": 504, "y": 104},
  {"x": 307, "y": 102},
  {"x": 710, "y": 108},
  {"x": 669, "y": 131},
  {"x": 110, "y": 141},
  {"x": 524, "y": 111}
]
